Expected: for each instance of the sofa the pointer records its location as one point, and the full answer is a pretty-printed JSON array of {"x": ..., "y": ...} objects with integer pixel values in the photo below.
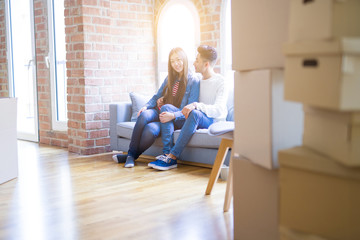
[{"x": 201, "y": 150}]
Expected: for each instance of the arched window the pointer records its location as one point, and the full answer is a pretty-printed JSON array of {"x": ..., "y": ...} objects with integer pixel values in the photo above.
[{"x": 178, "y": 26}]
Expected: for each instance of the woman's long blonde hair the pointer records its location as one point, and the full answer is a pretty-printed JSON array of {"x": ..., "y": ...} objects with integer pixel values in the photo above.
[{"x": 173, "y": 76}]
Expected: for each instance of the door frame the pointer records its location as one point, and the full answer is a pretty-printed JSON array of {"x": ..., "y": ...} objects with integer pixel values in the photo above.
[{"x": 24, "y": 136}]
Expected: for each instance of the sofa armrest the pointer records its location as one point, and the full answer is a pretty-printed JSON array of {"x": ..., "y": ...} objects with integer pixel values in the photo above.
[{"x": 119, "y": 112}]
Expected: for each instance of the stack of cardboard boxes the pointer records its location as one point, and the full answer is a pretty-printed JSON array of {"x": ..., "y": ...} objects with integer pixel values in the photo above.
[
  {"x": 320, "y": 180},
  {"x": 264, "y": 121}
]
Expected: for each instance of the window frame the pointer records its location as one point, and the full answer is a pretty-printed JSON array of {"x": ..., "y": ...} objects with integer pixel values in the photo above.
[
  {"x": 226, "y": 67},
  {"x": 50, "y": 63}
]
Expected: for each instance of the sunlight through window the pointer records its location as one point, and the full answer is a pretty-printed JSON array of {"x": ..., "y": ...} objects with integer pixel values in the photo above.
[{"x": 178, "y": 26}]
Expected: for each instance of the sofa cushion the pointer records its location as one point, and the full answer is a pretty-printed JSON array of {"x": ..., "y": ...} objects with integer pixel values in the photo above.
[
  {"x": 124, "y": 129},
  {"x": 201, "y": 138},
  {"x": 138, "y": 101}
]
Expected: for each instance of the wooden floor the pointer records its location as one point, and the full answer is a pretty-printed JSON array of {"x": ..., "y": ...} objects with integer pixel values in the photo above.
[{"x": 59, "y": 195}]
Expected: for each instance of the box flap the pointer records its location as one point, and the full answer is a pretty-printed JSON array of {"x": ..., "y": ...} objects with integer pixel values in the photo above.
[
  {"x": 349, "y": 46},
  {"x": 306, "y": 159},
  {"x": 343, "y": 117}
]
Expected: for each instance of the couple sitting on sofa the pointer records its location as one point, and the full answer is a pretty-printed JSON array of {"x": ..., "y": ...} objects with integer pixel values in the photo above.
[{"x": 182, "y": 102}]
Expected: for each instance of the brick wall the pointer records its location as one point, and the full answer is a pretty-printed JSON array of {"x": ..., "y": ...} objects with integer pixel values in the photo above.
[
  {"x": 110, "y": 52},
  {"x": 4, "y": 90},
  {"x": 210, "y": 13}
]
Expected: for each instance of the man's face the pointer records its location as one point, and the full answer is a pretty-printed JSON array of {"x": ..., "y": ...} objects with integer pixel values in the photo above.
[{"x": 199, "y": 64}]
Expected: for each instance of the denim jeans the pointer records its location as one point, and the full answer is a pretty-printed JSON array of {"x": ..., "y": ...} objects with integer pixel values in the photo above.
[
  {"x": 146, "y": 130},
  {"x": 167, "y": 129},
  {"x": 196, "y": 120}
]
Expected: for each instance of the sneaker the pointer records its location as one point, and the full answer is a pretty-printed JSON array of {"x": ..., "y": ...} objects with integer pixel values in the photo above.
[
  {"x": 166, "y": 164},
  {"x": 158, "y": 158},
  {"x": 161, "y": 157},
  {"x": 119, "y": 158},
  {"x": 130, "y": 162},
  {"x": 152, "y": 164}
]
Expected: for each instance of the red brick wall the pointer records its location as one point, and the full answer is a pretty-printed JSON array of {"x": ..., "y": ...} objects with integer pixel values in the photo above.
[
  {"x": 210, "y": 12},
  {"x": 4, "y": 90},
  {"x": 110, "y": 52}
]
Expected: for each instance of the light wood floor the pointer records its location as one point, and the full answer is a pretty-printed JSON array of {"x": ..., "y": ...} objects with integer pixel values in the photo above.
[{"x": 59, "y": 195}]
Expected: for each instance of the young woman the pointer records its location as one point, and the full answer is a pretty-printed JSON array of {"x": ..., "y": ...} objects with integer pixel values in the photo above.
[{"x": 179, "y": 89}]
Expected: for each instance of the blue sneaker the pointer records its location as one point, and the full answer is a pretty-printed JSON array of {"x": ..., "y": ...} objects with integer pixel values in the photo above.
[
  {"x": 158, "y": 158},
  {"x": 152, "y": 164},
  {"x": 165, "y": 164}
]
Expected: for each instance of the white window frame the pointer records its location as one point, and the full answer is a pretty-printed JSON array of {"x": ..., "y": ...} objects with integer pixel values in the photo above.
[
  {"x": 226, "y": 67},
  {"x": 50, "y": 62},
  {"x": 34, "y": 137}
]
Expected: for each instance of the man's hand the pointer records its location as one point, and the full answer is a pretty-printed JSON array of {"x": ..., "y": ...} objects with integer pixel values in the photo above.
[
  {"x": 141, "y": 110},
  {"x": 160, "y": 102},
  {"x": 187, "y": 109},
  {"x": 166, "y": 117}
]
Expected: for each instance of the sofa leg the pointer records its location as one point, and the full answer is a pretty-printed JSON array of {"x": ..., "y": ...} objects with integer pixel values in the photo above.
[{"x": 219, "y": 160}]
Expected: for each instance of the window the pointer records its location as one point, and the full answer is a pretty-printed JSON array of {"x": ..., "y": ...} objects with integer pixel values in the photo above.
[
  {"x": 178, "y": 26},
  {"x": 21, "y": 66},
  {"x": 226, "y": 68},
  {"x": 56, "y": 61}
]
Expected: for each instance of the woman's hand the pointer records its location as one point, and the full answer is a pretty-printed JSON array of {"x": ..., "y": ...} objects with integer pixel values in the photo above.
[
  {"x": 141, "y": 110},
  {"x": 160, "y": 102},
  {"x": 166, "y": 117}
]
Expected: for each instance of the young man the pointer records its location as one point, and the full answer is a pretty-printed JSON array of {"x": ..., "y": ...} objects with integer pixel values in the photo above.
[{"x": 198, "y": 115}]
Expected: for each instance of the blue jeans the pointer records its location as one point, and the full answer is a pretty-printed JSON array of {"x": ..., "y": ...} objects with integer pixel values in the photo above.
[
  {"x": 146, "y": 130},
  {"x": 196, "y": 120},
  {"x": 167, "y": 129}
]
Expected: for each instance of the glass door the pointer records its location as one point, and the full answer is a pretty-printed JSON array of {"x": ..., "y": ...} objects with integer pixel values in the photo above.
[{"x": 22, "y": 71}]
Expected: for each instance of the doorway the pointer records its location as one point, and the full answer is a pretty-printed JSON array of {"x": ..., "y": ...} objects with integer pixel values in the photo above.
[{"x": 22, "y": 66}]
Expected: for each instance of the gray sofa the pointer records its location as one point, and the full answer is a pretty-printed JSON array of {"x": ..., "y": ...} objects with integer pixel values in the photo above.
[{"x": 201, "y": 149}]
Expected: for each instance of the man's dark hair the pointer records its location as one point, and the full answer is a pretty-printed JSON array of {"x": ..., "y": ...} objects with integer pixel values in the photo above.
[{"x": 208, "y": 53}]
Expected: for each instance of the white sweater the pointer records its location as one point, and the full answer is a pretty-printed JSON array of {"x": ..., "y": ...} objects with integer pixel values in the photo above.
[{"x": 213, "y": 97}]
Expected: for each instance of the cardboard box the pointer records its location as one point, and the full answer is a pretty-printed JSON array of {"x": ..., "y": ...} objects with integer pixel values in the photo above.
[
  {"x": 256, "y": 193},
  {"x": 259, "y": 29},
  {"x": 8, "y": 140},
  {"x": 319, "y": 195},
  {"x": 289, "y": 234},
  {"x": 332, "y": 133},
  {"x": 323, "y": 19},
  {"x": 324, "y": 74},
  {"x": 264, "y": 122}
]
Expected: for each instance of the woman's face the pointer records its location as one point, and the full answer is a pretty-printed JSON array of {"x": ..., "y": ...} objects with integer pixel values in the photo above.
[{"x": 176, "y": 63}]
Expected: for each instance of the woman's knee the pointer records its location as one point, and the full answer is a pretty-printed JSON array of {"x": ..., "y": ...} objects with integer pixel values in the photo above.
[
  {"x": 151, "y": 131},
  {"x": 146, "y": 116},
  {"x": 167, "y": 108}
]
